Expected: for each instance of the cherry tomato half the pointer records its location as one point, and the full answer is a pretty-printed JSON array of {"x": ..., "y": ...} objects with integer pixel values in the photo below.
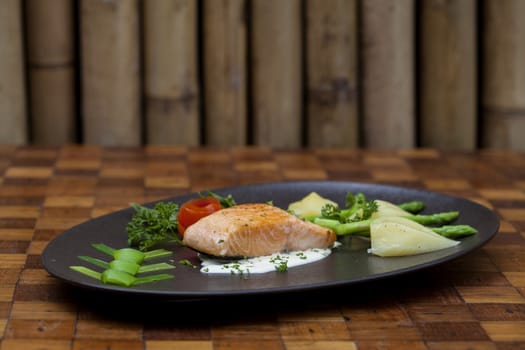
[{"x": 195, "y": 209}]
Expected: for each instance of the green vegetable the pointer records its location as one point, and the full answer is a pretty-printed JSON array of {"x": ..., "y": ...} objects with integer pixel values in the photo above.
[
  {"x": 455, "y": 231},
  {"x": 413, "y": 207},
  {"x": 187, "y": 263},
  {"x": 356, "y": 217},
  {"x": 357, "y": 209},
  {"x": 157, "y": 253},
  {"x": 86, "y": 271},
  {"x": 131, "y": 254},
  {"x": 436, "y": 219},
  {"x": 151, "y": 226},
  {"x": 101, "y": 247},
  {"x": 226, "y": 202},
  {"x": 125, "y": 266},
  {"x": 356, "y": 228},
  {"x": 362, "y": 228},
  {"x": 281, "y": 265},
  {"x": 119, "y": 278},
  {"x": 97, "y": 262},
  {"x": 155, "y": 267}
]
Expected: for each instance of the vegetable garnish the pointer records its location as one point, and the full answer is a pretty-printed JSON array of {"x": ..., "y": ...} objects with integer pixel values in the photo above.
[
  {"x": 360, "y": 216},
  {"x": 186, "y": 262},
  {"x": 165, "y": 222},
  {"x": 127, "y": 263},
  {"x": 357, "y": 209},
  {"x": 151, "y": 226},
  {"x": 226, "y": 202},
  {"x": 120, "y": 278},
  {"x": 359, "y": 213},
  {"x": 195, "y": 209},
  {"x": 130, "y": 253}
]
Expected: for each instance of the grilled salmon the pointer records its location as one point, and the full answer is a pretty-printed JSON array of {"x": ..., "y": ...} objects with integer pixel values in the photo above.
[{"x": 249, "y": 230}]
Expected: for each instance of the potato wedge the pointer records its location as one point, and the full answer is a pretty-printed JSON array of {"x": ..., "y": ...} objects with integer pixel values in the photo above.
[
  {"x": 385, "y": 208},
  {"x": 398, "y": 236},
  {"x": 310, "y": 205}
]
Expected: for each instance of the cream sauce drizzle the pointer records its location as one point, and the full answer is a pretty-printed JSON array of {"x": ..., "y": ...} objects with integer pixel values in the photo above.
[{"x": 263, "y": 264}]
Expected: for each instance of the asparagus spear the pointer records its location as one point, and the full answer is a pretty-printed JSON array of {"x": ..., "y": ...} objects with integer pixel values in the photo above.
[
  {"x": 436, "y": 219},
  {"x": 455, "y": 231},
  {"x": 413, "y": 207},
  {"x": 362, "y": 228}
]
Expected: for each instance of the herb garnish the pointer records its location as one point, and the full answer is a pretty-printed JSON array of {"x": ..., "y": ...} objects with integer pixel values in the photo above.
[
  {"x": 151, "y": 226},
  {"x": 281, "y": 265},
  {"x": 186, "y": 262}
]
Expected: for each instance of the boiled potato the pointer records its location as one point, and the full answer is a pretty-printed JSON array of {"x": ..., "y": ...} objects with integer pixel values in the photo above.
[
  {"x": 310, "y": 205},
  {"x": 398, "y": 236},
  {"x": 385, "y": 208}
]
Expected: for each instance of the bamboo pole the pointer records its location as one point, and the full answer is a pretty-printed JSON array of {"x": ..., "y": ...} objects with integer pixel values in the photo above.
[
  {"x": 12, "y": 80},
  {"x": 171, "y": 78},
  {"x": 110, "y": 72},
  {"x": 503, "y": 91},
  {"x": 388, "y": 73},
  {"x": 448, "y": 74},
  {"x": 276, "y": 72},
  {"x": 50, "y": 52},
  {"x": 332, "y": 73},
  {"x": 225, "y": 57}
]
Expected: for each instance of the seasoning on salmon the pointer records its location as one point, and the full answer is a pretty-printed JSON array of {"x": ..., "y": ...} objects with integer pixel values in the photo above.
[{"x": 249, "y": 230}]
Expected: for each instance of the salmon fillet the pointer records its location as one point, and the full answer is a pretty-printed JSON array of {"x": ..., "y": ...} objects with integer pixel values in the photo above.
[{"x": 248, "y": 230}]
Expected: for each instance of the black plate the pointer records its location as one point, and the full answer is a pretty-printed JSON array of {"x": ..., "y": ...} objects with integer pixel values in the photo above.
[{"x": 349, "y": 264}]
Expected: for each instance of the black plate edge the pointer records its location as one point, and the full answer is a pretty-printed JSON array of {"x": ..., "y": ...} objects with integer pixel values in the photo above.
[{"x": 291, "y": 289}]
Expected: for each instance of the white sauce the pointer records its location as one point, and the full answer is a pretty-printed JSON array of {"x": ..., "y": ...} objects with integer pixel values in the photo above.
[{"x": 262, "y": 264}]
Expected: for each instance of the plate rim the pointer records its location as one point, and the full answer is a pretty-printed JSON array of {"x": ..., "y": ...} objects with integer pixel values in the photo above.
[{"x": 272, "y": 290}]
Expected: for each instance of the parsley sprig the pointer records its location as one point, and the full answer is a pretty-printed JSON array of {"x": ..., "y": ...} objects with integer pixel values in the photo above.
[
  {"x": 358, "y": 208},
  {"x": 151, "y": 226}
]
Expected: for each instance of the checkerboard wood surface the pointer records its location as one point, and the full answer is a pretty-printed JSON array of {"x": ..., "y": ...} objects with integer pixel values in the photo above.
[{"x": 476, "y": 302}]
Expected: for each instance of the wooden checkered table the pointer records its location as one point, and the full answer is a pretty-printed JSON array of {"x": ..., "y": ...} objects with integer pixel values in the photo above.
[{"x": 476, "y": 302}]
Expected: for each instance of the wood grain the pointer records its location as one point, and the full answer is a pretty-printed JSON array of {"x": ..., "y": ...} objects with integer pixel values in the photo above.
[
  {"x": 277, "y": 77},
  {"x": 476, "y": 301},
  {"x": 387, "y": 51},
  {"x": 448, "y": 75},
  {"x": 332, "y": 73},
  {"x": 172, "y": 93},
  {"x": 225, "y": 72},
  {"x": 51, "y": 59},
  {"x": 503, "y": 89},
  {"x": 12, "y": 77},
  {"x": 110, "y": 72},
  {"x": 376, "y": 74}
]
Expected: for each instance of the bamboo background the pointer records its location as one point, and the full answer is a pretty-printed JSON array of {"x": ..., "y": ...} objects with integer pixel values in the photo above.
[{"x": 448, "y": 74}]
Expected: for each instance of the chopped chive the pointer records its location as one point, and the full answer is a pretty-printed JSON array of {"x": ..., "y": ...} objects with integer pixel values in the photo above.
[
  {"x": 87, "y": 271},
  {"x": 129, "y": 254},
  {"x": 157, "y": 253},
  {"x": 125, "y": 266},
  {"x": 101, "y": 247},
  {"x": 153, "y": 278},
  {"x": 97, "y": 262},
  {"x": 118, "y": 277},
  {"x": 155, "y": 267},
  {"x": 187, "y": 263}
]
